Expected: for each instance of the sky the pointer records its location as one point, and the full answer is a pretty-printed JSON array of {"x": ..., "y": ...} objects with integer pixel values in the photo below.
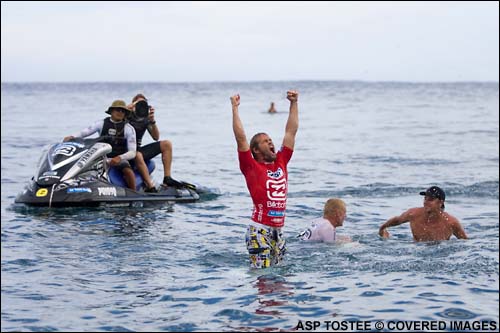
[{"x": 206, "y": 41}]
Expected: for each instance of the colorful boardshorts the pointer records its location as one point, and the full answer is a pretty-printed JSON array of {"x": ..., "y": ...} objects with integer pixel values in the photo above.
[{"x": 266, "y": 245}]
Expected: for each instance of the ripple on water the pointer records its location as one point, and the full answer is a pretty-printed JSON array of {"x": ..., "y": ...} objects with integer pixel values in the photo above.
[
  {"x": 481, "y": 290},
  {"x": 371, "y": 294},
  {"x": 233, "y": 314},
  {"x": 457, "y": 313}
]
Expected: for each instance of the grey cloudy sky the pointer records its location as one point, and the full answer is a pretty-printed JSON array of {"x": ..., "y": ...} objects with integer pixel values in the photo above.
[{"x": 243, "y": 41}]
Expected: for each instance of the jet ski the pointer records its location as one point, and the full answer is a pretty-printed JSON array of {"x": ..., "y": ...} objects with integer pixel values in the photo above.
[{"x": 75, "y": 173}]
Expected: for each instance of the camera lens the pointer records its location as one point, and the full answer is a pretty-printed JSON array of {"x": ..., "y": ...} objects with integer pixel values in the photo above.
[{"x": 142, "y": 109}]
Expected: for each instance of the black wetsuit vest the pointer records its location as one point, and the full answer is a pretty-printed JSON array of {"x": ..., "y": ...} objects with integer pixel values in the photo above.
[
  {"x": 114, "y": 134},
  {"x": 140, "y": 126}
]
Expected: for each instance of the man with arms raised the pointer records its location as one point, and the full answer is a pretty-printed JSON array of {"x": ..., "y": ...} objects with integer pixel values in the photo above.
[{"x": 266, "y": 175}]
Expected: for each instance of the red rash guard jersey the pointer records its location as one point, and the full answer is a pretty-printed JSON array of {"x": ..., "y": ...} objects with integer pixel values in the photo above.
[{"x": 268, "y": 186}]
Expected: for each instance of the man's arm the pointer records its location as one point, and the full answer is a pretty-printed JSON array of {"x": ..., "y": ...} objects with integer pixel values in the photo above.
[
  {"x": 292, "y": 124},
  {"x": 239, "y": 132},
  {"x": 94, "y": 128},
  {"x": 153, "y": 129},
  {"x": 131, "y": 143},
  {"x": 394, "y": 221},
  {"x": 458, "y": 231}
]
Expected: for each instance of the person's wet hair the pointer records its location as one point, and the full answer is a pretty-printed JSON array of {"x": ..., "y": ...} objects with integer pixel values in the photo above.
[{"x": 334, "y": 205}]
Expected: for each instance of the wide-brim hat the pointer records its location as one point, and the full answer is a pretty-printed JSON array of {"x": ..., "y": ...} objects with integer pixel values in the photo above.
[{"x": 118, "y": 104}]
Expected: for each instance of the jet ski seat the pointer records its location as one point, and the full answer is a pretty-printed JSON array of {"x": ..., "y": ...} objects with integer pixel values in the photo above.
[{"x": 116, "y": 177}]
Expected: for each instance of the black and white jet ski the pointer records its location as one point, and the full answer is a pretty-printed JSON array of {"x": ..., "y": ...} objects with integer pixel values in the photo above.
[{"x": 75, "y": 173}]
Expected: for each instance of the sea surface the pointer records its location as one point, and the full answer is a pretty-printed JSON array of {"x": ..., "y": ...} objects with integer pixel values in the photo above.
[{"x": 184, "y": 267}]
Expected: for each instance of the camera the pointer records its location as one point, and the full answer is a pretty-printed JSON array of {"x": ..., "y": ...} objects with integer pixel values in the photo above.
[{"x": 142, "y": 109}]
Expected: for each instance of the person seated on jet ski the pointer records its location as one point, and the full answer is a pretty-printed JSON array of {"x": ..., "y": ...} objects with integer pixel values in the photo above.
[
  {"x": 141, "y": 118},
  {"x": 120, "y": 135}
]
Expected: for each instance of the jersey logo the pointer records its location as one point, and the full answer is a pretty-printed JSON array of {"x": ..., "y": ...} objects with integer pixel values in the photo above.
[
  {"x": 276, "y": 189},
  {"x": 306, "y": 234},
  {"x": 277, "y": 213},
  {"x": 276, "y": 175}
]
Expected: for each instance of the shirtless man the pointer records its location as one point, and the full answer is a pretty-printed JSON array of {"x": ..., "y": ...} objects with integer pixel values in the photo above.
[{"x": 428, "y": 223}]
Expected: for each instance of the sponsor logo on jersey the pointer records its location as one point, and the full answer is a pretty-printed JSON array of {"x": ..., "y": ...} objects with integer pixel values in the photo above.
[
  {"x": 276, "y": 174},
  {"x": 276, "y": 189},
  {"x": 276, "y": 213},
  {"x": 306, "y": 234},
  {"x": 276, "y": 205}
]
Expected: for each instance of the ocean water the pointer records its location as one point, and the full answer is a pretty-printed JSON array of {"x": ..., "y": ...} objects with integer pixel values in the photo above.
[{"x": 184, "y": 267}]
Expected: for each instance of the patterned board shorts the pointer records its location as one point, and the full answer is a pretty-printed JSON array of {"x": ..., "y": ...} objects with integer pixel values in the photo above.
[{"x": 266, "y": 245}]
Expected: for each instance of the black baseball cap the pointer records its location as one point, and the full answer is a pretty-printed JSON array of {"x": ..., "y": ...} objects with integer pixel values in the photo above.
[{"x": 434, "y": 192}]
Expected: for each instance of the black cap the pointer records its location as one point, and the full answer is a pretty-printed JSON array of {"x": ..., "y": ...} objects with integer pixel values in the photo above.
[{"x": 434, "y": 192}]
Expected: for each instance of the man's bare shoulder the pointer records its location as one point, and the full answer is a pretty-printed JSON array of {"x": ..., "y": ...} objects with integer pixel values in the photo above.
[
  {"x": 413, "y": 213},
  {"x": 450, "y": 218}
]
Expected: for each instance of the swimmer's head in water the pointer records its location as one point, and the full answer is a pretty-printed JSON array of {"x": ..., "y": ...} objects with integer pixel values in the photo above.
[
  {"x": 335, "y": 208},
  {"x": 435, "y": 192}
]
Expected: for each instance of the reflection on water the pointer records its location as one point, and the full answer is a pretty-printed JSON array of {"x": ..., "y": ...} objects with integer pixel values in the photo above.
[{"x": 271, "y": 289}]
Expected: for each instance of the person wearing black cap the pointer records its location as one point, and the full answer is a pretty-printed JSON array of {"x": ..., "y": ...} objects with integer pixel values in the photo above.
[
  {"x": 430, "y": 222},
  {"x": 120, "y": 135}
]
